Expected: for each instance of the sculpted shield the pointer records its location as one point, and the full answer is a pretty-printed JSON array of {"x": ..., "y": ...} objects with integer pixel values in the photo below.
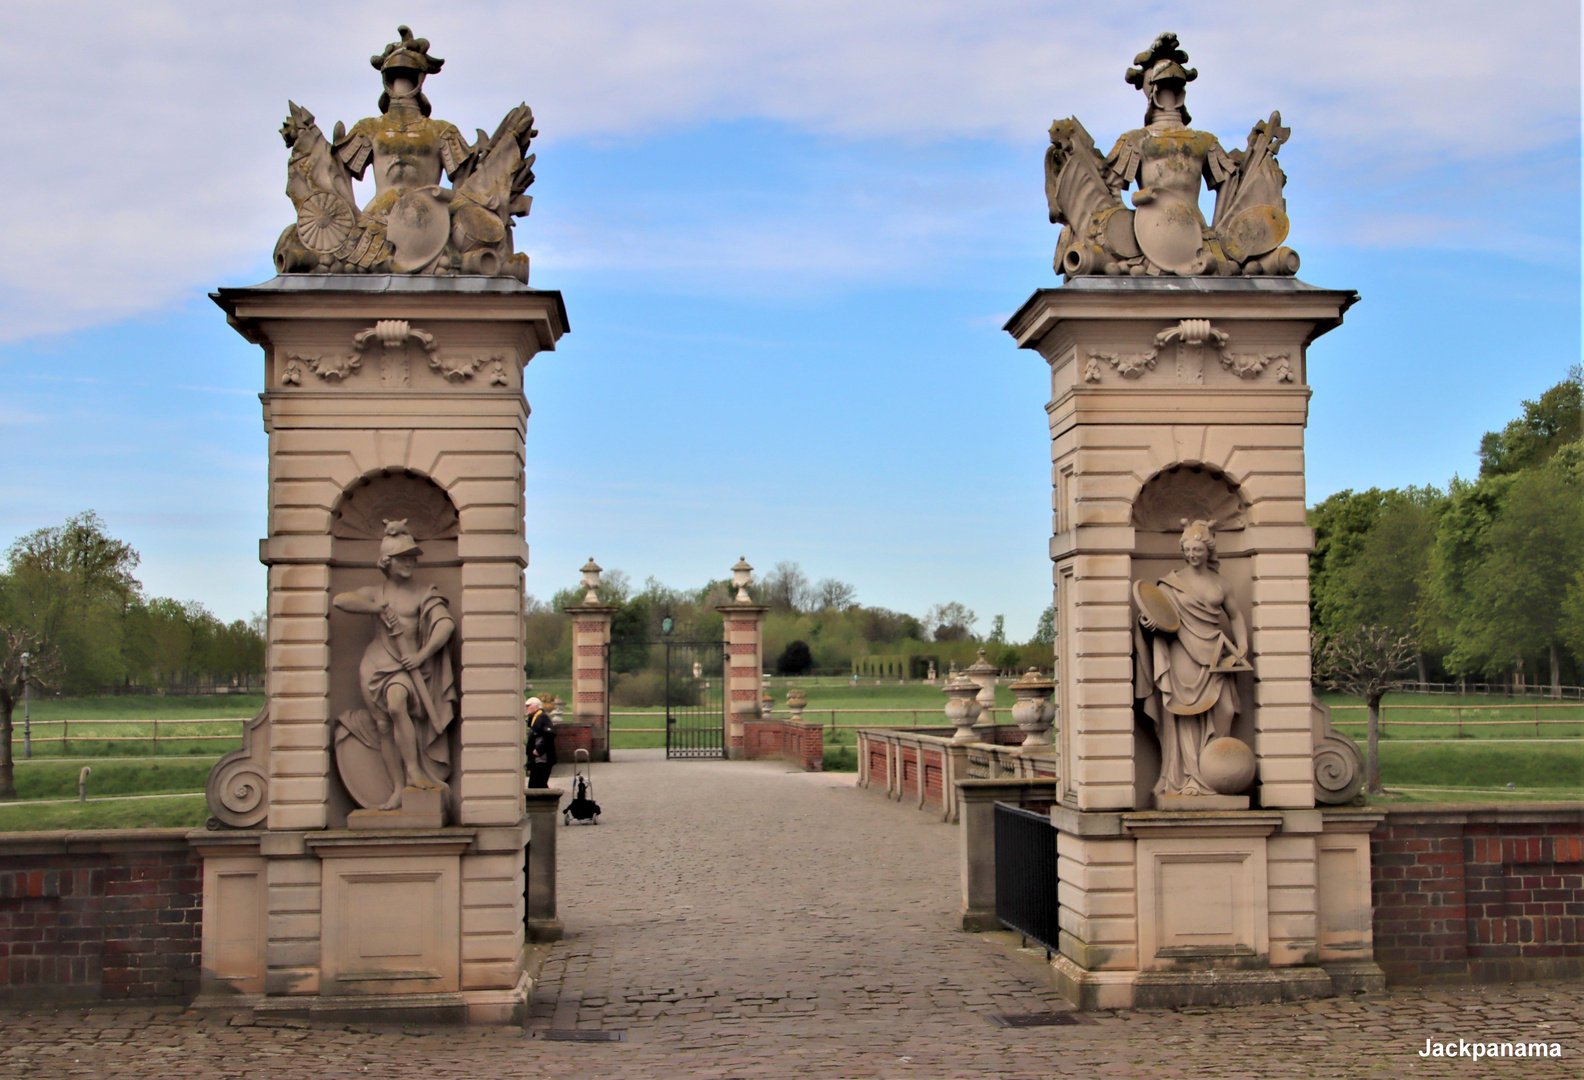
[
  {"x": 1170, "y": 232},
  {"x": 418, "y": 228}
]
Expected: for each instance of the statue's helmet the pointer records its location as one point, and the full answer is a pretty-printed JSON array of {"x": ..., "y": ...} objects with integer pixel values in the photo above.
[
  {"x": 398, "y": 540},
  {"x": 1200, "y": 531},
  {"x": 1162, "y": 66},
  {"x": 409, "y": 59}
]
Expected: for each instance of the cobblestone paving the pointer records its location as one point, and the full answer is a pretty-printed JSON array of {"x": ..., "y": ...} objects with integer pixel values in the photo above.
[{"x": 742, "y": 920}]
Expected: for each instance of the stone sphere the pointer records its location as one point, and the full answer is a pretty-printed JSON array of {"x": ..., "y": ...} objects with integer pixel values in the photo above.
[{"x": 1228, "y": 764}]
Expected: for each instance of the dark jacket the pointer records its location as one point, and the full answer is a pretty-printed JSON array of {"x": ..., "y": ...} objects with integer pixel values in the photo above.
[{"x": 541, "y": 739}]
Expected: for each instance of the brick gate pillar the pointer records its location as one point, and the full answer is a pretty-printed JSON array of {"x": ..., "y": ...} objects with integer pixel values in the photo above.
[
  {"x": 744, "y": 659},
  {"x": 589, "y": 725}
]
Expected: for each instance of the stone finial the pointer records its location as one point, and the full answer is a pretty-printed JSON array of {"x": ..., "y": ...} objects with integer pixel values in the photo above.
[
  {"x": 742, "y": 577},
  {"x": 591, "y": 581},
  {"x": 1164, "y": 232},
  {"x": 1034, "y": 709},
  {"x": 797, "y": 701}
]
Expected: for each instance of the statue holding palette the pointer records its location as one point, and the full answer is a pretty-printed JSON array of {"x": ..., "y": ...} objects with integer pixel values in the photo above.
[{"x": 1190, "y": 643}]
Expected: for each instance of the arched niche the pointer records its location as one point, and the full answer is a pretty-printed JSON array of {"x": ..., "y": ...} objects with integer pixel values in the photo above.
[
  {"x": 1195, "y": 492},
  {"x": 356, "y": 528}
]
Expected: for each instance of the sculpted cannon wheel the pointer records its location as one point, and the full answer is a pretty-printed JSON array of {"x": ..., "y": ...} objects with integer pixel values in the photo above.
[{"x": 324, "y": 222}]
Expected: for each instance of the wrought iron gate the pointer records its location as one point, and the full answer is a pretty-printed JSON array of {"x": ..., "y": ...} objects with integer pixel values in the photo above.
[
  {"x": 695, "y": 699},
  {"x": 1025, "y": 872}
]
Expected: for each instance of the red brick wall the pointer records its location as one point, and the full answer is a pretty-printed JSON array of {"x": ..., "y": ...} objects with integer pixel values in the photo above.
[
  {"x": 571, "y": 736},
  {"x": 802, "y": 743},
  {"x": 94, "y": 916},
  {"x": 1487, "y": 894}
]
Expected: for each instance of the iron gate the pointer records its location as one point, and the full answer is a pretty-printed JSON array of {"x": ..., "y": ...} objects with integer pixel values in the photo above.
[
  {"x": 695, "y": 699},
  {"x": 1025, "y": 872}
]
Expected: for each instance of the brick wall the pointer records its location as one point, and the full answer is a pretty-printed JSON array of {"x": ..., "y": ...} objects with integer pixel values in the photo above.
[
  {"x": 570, "y": 736},
  {"x": 1483, "y": 894},
  {"x": 800, "y": 742},
  {"x": 99, "y": 916}
]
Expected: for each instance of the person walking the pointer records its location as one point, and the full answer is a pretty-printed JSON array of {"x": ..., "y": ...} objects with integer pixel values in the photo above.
[{"x": 541, "y": 743}]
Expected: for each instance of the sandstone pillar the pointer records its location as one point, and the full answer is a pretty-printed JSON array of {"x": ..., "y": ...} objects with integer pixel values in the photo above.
[
  {"x": 1178, "y": 400},
  {"x": 386, "y": 399}
]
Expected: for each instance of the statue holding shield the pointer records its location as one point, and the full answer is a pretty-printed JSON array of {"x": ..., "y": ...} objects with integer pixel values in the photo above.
[
  {"x": 1190, "y": 643},
  {"x": 407, "y": 680}
]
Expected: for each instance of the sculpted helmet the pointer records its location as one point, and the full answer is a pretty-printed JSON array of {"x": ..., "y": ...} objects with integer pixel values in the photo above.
[
  {"x": 1161, "y": 64},
  {"x": 1201, "y": 531},
  {"x": 397, "y": 541},
  {"x": 408, "y": 58}
]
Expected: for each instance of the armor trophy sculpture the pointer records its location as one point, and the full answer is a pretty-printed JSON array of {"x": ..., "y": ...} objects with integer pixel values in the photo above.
[
  {"x": 1200, "y": 788},
  {"x": 387, "y": 767}
]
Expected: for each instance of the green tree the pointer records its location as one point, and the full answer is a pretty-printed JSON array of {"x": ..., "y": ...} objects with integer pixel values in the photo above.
[
  {"x": 1547, "y": 424},
  {"x": 71, "y": 585},
  {"x": 1367, "y": 661},
  {"x": 41, "y": 670},
  {"x": 1534, "y": 553},
  {"x": 1045, "y": 629}
]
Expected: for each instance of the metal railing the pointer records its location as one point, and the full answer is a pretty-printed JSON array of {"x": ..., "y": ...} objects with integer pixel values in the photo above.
[{"x": 1025, "y": 874}]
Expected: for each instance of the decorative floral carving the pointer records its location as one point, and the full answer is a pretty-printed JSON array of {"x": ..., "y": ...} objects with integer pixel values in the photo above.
[
  {"x": 328, "y": 368},
  {"x": 1191, "y": 335},
  {"x": 1092, "y": 370},
  {"x": 1249, "y": 365},
  {"x": 498, "y": 376},
  {"x": 292, "y": 376},
  {"x": 1284, "y": 371},
  {"x": 1128, "y": 365},
  {"x": 456, "y": 369}
]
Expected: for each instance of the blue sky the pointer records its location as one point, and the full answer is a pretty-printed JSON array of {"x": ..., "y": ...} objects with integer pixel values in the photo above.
[{"x": 787, "y": 234}]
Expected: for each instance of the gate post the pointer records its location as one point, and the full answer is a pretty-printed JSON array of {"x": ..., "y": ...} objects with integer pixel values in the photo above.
[
  {"x": 744, "y": 660},
  {"x": 591, "y": 634}
]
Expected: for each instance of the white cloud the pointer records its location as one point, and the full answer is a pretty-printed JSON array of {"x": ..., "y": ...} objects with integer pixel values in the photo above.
[{"x": 145, "y": 165}]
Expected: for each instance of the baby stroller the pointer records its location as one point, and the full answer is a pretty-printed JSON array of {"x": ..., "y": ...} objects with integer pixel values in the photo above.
[{"x": 582, "y": 807}]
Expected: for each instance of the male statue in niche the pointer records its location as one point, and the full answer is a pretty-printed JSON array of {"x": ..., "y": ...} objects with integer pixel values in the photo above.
[
  {"x": 1185, "y": 671},
  {"x": 407, "y": 681}
]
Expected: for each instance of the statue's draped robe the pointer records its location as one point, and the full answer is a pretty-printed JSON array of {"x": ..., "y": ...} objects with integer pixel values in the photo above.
[
  {"x": 381, "y": 668},
  {"x": 1172, "y": 675}
]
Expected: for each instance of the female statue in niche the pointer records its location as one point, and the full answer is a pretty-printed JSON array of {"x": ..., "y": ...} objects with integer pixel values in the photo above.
[
  {"x": 406, "y": 675},
  {"x": 1186, "y": 664}
]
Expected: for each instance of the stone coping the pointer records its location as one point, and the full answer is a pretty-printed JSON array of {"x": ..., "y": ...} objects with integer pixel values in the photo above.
[
  {"x": 1484, "y": 813},
  {"x": 90, "y": 841},
  {"x": 389, "y": 283}
]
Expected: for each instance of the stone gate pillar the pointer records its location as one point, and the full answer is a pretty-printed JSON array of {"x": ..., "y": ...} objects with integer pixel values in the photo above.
[
  {"x": 589, "y": 725},
  {"x": 1186, "y": 822},
  {"x": 370, "y": 860},
  {"x": 744, "y": 660}
]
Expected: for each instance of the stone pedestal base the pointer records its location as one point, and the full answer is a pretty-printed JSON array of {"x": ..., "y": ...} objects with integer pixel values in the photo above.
[
  {"x": 420, "y": 809},
  {"x": 1201, "y": 802},
  {"x": 1212, "y": 907}
]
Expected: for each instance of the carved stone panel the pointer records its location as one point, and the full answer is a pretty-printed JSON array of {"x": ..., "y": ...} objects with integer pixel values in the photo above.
[{"x": 1192, "y": 492}]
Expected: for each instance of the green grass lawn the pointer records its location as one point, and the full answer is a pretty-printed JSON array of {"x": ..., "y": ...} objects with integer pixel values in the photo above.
[
  {"x": 1551, "y": 771},
  {"x": 168, "y": 811},
  {"x": 47, "y": 779},
  {"x": 117, "y": 726}
]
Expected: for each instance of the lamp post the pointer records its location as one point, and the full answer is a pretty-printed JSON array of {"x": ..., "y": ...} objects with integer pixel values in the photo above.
[{"x": 27, "y": 701}]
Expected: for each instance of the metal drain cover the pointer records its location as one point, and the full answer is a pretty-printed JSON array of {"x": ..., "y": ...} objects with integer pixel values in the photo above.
[
  {"x": 1029, "y": 1020},
  {"x": 569, "y": 1035}
]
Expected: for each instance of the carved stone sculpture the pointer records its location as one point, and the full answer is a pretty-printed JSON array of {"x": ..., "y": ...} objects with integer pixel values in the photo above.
[
  {"x": 398, "y": 742},
  {"x": 1189, "y": 643},
  {"x": 413, "y": 225},
  {"x": 1164, "y": 232}
]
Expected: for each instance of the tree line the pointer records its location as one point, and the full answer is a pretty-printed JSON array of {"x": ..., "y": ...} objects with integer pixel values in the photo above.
[
  {"x": 1482, "y": 579},
  {"x": 69, "y": 596},
  {"x": 811, "y": 626}
]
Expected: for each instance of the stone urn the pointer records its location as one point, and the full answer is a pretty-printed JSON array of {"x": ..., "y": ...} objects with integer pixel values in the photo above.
[
  {"x": 797, "y": 701},
  {"x": 1034, "y": 709},
  {"x": 961, "y": 707},
  {"x": 983, "y": 675}
]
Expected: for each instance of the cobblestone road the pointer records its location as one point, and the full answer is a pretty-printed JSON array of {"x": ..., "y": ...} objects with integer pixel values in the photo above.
[{"x": 743, "y": 920}]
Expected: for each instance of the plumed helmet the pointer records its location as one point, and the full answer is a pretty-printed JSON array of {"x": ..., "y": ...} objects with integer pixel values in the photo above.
[{"x": 398, "y": 540}]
